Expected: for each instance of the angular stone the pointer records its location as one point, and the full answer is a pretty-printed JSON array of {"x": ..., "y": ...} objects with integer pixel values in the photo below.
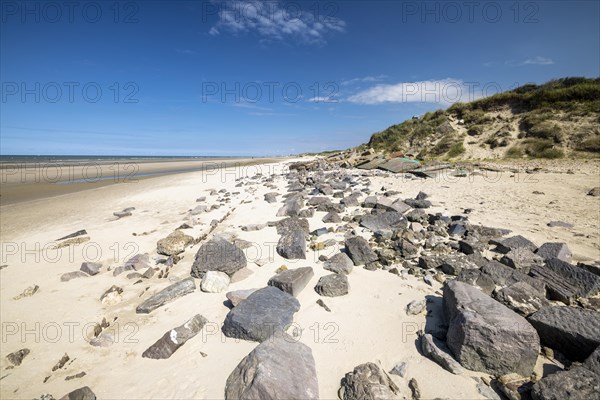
[
  {"x": 175, "y": 338},
  {"x": 522, "y": 298},
  {"x": 167, "y": 295},
  {"x": 557, "y": 288},
  {"x": 478, "y": 279},
  {"x": 370, "y": 202},
  {"x": 16, "y": 357},
  {"x": 292, "y": 245},
  {"x": 339, "y": 263},
  {"x": 521, "y": 258},
  {"x": 575, "y": 332},
  {"x": 265, "y": 312},
  {"x": 554, "y": 250},
  {"x": 73, "y": 275},
  {"x": 385, "y": 220},
  {"x": 332, "y": 218},
  {"x": 360, "y": 251},
  {"x": 291, "y": 207},
  {"x": 576, "y": 384},
  {"x": 438, "y": 352},
  {"x": 91, "y": 268},
  {"x": 387, "y": 204},
  {"x": 593, "y": 361},
  {"x": 512, "y": 243},
  {"x": 292, "y": 281},
  {"x": 587, "y": 283},
  {"x": 278, "y": 368},
  {"x": 486, "y": 336},
  {"x": 453, "y": 264},
  {"x": 368, "y": 382},
  {"x": 215, "y": 282},
  {"x": 237, "y": 296},
  {"x": 332, "y": 285},
  {"x": 174, "y": 244},
  {"x": 271, "y": 197},
  {"x": 503, "y": 275},
  {"x": 84, "y": 393},
  {"x": 414, "y": 203},
  {"x": 218, "y": 254}
]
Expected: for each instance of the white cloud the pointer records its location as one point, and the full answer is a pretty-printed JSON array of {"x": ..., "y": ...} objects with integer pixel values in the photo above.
[
  {"x": 328, "y": 99},
  {"x": 272, "y": 21},
  {"x": 538, "y": 61},
  {"x": 363, "y": 79},
  {"x": 444, "y": 92}
]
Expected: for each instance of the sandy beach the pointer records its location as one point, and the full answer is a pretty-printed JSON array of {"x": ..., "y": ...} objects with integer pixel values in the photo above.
[{"x": 367, "y": 325}]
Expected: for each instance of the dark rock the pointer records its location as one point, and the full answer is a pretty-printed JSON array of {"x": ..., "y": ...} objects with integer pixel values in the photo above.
[
  {"x": 594, "y": 192},
  {"x": 333, "y": 285},
  {"x": 593, "y": 267},
  {"x": 319, "y": 232},
  {"x": 368, "y": 382},
  {"x": 16, "y": 358},
  {"x": 522, "y": 298},
  {"x": 384, "y": 203},
  {"x": 291, "y": 224},
  {"x": 478, "y": 279},
  {"x": 278, "y": 368},
  {"x": 560, "y": 224},
  {"x": 576, "y": 384},
  {"x": 587, "y": 283},
  {"x": 91, "y": 268},
  {"x": 457, "y": 229},
  {"x": 503, "y": 275},
  {"x": 438, "y": 352},
  {"x": 593, "y": 361},
  {"x": 512, "y": 243},
  {"x": 332, "y": 217},
  {"x": 291, "y": 207},
  {"x": 84, "y": 393},
  {"x": 470, "y": 246},
  {"x": 384, "y": 220},
  {"x": 218, "y": 255},
  {"x": 265, "y": 312},
  {"x": 414, "y": 388},
  {"x": 271, "y": 197},
  {"x": 292, "y": 245},
  {"x": 370, "y": 202},
  {"x": 575, "y": 332},
  {"x": 359, "y": 251},
  {"x": 175, "y": 338},
  {"x": 414, "y": 203},
  {"x": 522, "y": 259},
  {"x": 167, "y": 295},
  {"x": 453, "y": 264},
  {"x": 322, "y": 304},
  {"x": 73, "y": 235},
  {"x": 292, "y": 281},
  {"x": 339, "y": 263},
  {"x": 486, "y": 336},
  {"x": 307, "y": 213}
]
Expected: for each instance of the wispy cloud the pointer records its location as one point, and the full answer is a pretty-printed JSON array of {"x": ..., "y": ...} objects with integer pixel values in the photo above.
[
  {"x": 530, "y": 61},
  {"x": 273, "y": 22},
  {"x": 366, "y": 79},
  {"x": 445, "y": 92},
  {"x": 320, "y": 99}
]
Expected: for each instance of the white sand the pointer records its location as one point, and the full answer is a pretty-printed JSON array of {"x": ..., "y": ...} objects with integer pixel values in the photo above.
[{"x": 369, "y": 324}]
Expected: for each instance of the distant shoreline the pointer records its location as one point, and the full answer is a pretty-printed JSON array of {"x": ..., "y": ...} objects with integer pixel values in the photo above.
[{"x": 35, "y": 180}]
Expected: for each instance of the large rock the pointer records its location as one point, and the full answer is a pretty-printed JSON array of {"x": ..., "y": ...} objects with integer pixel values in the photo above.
[
  {"x": 91, "y": 268},
  {"x": 575, "y": 332},
  {"x": 175, "y": 338},
  {"x": 368, "y": 382},
  {"x": 587, "y": 283},
  {"x": 384, "y": 220},
  {"x": 278, "y": 368},
  {"x": 339, "y": 263},
  {"x": 292, "y": 245},
  {"x": 486, "y": 336},
  {"x": 174, "y": 244},
  {"x": 291, "y": 207},
  {"x": 576, "y": 384},
  {"x": 359, "y": 251},
  {"x": 522, "y": 298},
  {"x": 386, "y": 204},
  {"x": 265, "y": 312},
  {"x": 503, "y": 275},
  {"x": 513, "y": 243},
  {"x": 167, "y": 295},
  {"x": 554, "y": 250},
  {"x": 292, "y": 281},
  {"x": 331, "y": 218},
  {"x": 218, "y": 255},
  {"x": 83, "y": 393},
  {"x": 333, "y": 285},
  {"x": 215, "y": 282}
]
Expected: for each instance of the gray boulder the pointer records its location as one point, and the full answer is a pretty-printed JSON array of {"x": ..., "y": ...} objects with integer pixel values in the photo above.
[
  {"x": 486, "y": 336},
  {"x": 264, "y": 313},
  {"x": 174, "y": 244},
  {"x": 291, "y": 207},
  {"x": 175, "y": 338},
  {"x": 368, "y": 382},
  {"x": 83, "y": 393},
  {"x": 292, "y": 281},
  {"x": 271, "y": 197},
  {"x": 331, "y": 218},
  {"x": 218, "y": 255},
  {"x": 513, "y": 243},
  {"x": 167, "y": 295},
  {"x": 333, "y": 285},
  {"x": 554, "y": 250},
  {"x": 522, "y": 298},
  {"x": 278, "y": 368},
  {"x": 292, "y": 245},
  {"x": 91, "y": 268},
  {"x": 588, "y": 283},
  {"x": 438, "y": 352},
  {"x": 383, "y": 221},
  {"x": 576, "y": 384},
  {"x": 503, "y": 275},
  {"x": 575, "y": 332},
  {"x": 359, "y": 251},
  {"x": 339, "y": 263}
]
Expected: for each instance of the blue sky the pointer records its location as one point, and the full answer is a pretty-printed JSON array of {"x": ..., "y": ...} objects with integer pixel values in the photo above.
[{"x": 250, "y": 78}]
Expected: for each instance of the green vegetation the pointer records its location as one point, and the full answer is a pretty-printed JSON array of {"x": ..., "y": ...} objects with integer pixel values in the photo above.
[{"x": 550, "y": 119}]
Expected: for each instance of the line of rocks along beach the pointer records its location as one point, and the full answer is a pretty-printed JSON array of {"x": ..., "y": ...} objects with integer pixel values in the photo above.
[{"x": 309, "y": 279}]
